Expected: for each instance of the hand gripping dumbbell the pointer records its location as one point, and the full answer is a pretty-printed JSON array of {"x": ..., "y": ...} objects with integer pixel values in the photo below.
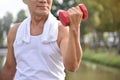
[{"x": 63, "y": 16}]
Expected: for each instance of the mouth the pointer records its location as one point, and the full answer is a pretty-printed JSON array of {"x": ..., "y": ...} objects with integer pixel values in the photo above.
[{"x": 42, "y": 7}]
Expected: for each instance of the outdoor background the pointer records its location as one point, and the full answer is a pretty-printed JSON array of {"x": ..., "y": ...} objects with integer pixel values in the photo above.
[{"x": 100, "y": 35}]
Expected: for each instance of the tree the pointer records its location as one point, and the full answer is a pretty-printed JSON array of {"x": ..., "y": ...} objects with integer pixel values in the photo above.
[
  {"x": 5, "y": 23},
  {"x": 1, "y": 28},
  {"x": 103, "y": 17},
  {"x": 110, "y": 19},
  {"x": 7, "y": 20},
  {"x": 20, "y": 16},
  {"x": 1, "y": 31},
  {"x": 116, "y": 19}
]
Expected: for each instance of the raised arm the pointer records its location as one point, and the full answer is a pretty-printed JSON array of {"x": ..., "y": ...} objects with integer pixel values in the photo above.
[{"x": 70, "y": 42}]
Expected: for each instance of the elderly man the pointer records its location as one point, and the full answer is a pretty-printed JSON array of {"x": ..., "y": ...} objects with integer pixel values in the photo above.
[{"x": 41, "y": 48}]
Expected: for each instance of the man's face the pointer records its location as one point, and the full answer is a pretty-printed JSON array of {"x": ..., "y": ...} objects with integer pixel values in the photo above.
[{"x": 39, "y": 7}]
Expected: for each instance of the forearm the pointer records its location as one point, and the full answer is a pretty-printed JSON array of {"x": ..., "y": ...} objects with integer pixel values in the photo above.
[{"x": 73, "y": 53}]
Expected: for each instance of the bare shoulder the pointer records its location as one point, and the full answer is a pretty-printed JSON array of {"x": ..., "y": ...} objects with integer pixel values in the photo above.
[{"x": 12, "y": 32}]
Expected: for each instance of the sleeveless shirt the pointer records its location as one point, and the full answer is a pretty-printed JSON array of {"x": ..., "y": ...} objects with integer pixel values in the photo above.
[{"x": 37, "y": 60}]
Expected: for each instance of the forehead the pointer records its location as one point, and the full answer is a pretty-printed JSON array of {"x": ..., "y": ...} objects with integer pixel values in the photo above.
[{"x": 35, "y": 0}]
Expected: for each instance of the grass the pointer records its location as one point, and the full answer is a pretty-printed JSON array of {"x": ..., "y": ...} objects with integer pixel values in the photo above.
[{"x": 102, "y": 57}]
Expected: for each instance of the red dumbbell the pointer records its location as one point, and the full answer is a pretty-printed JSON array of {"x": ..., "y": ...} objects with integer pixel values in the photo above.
[{"x": 63, "y": 16}]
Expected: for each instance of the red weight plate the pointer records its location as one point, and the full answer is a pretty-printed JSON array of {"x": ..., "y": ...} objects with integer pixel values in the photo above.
[
  {"x": 63, "y": 16},
  {"x": 84, "y": 10}
]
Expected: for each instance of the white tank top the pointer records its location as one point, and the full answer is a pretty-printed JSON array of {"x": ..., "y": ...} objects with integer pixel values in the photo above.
[{"x": 38, "y": 61}]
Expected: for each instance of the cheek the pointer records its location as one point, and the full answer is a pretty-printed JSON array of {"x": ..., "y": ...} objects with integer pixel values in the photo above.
[
  {"x": 32, "y": 6},
  {"x": 50, "y": 4}
]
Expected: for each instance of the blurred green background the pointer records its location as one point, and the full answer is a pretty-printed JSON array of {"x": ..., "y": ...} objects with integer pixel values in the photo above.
[{"x": 100, "y": 38}]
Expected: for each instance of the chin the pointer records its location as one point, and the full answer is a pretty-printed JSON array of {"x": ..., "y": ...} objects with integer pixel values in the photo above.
[{"x": 42, "y": 13}]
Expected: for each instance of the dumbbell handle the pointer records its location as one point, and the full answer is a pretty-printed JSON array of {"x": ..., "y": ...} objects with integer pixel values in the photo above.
[{"x": 63, "y": 16}]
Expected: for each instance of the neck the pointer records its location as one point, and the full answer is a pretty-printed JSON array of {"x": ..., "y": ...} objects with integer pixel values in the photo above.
[
  {"x": 37, "y": 24},
  {"x": 38, "y": 20}
]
